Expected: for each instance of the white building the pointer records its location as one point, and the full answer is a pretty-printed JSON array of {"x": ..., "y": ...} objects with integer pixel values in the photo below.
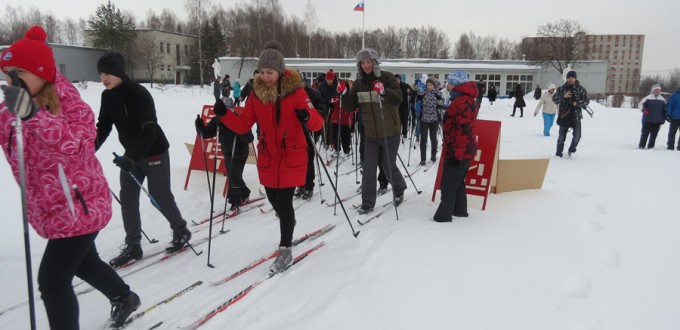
[{"x": 504, "y": 74}]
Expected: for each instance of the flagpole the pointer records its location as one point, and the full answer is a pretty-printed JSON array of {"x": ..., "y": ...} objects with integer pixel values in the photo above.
[{"x": 363, "y": 27}]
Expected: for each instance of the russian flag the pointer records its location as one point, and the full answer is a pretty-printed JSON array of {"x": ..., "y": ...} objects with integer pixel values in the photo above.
[{"x": 359, "y": 7}]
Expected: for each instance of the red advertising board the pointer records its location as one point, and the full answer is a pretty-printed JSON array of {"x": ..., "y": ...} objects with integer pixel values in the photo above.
[
  {"x": 211, "y": 150},
  {"x": 482, "y": 170}
]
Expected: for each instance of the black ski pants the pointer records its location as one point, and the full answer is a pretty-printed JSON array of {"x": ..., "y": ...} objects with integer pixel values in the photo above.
[
  {"x": 282, "y": 202},
  {"x": 454, "y": 198},
  {"x": 431, "y": 130},
  {"x": 649, "y": 131},
  {"x": 65, "y": 258},
  {"x": 157, "y": 170},
  {"x": 674, "y": 127}
]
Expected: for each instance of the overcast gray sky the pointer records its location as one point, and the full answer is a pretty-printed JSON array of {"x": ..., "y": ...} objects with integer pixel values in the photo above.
[{"x": 657, "y": 20}]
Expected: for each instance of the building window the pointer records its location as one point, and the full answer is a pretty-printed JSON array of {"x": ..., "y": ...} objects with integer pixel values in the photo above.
[
  {"x": 526, "y": 81},
  {"x": 161, "y": 48},
  {"x": 186, "y": 50},
  {"x": 167, "y": 46}
]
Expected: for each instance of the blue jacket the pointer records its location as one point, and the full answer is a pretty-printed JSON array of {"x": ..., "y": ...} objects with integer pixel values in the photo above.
[
  {"x": 653, "y": 109},
  {"x": 673, "y": 108}
]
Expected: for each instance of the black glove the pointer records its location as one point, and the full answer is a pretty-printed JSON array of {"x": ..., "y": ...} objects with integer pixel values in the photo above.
[
  {"x": 220, "y": 108},
  {"x": 302, "y": 114},
  {"x": 19, "y": 102},
  {"x": 199, "y": 125},
  {"x": 124, "y": 162}
]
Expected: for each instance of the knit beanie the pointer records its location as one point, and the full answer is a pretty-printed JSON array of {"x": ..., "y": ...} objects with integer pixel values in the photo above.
[
  {"x": 551, "y": 86},
  {"x": 112, "y": 63},
  {"x": 330, "y": 75},
  {"x": 457, "y": 77},
  {"x": 272, "y": 58},
  {"x": 655, "y": 86},
  {"x": 31, "y": 54},
  {"x": 431, "y": 81},
  {"x": 571, "y": 73},
  {"x": 365, "y": 54}
]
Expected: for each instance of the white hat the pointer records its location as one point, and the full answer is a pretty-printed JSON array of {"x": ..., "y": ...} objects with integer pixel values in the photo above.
[{"x": 551, "y": 86}]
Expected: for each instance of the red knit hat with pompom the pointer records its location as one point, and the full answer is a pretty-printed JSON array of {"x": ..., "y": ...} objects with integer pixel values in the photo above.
[{"x": 31, "y": 54}]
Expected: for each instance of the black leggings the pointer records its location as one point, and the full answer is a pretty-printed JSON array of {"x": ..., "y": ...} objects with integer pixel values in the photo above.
[
  {"x": 282, "y": 202},
  {"x": 68, "y": 257}
]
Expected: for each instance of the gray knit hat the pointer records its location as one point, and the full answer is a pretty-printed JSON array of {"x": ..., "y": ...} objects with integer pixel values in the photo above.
[
  {"x": 365, "y": 54},
  {"x": 432, "y": 81},
  {"x": 272, "y": 58}
]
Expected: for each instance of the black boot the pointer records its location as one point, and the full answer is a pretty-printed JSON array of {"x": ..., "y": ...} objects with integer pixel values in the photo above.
[
  {"x": 179, "y": 239},
  {"x": 121, "y": 308},
  {"x": 307, "y": 194},
  {"x": 128, "y": 253}
]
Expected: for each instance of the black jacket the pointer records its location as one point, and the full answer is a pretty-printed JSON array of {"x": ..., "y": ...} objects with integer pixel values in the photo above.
[
  {"x": 227, "y": 137},
  {"x": 131, "y": 108},
  {"x": 245, "y": 91}
]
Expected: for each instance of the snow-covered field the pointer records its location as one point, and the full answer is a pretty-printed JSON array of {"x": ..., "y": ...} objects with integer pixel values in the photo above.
[{"x": 596, "y": 248}]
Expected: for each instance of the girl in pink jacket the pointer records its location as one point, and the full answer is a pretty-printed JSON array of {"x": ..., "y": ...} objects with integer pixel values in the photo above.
[{"x": 68, "y": 200}]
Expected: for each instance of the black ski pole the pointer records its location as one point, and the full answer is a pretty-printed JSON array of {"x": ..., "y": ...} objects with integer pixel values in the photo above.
[
  {"x": 152, "y": 241},
  {"x": 155, "y": 204},
  {"x": 22, "y": 180},
  {"x": 316, "y": 153},
  {"x": 409, "y": 175},
  {"x": 205, "y": 162},
  {"x": 231, "y": 165},
  {"x": 387, "y": 151},
  {"x": 212, "y": 189},
  {"x": 337, "y": 153},
  {"x": 356, "y": 149}
]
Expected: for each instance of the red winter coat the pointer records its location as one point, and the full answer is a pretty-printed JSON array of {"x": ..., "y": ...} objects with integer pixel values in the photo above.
[
  {"x": 458, "y": 125},
  {"x": 347, "y": 115},
  {"x": 50, "y": 142},
  {"x": 282, "y": 147}
]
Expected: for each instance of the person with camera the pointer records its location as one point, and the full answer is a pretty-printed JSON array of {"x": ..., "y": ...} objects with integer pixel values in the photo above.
[{"x": 570, "y": 99}]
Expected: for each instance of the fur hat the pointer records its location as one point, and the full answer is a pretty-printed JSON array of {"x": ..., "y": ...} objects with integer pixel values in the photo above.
[
  {"x": 551, "y": 86},
  {"x": 457, "y": 77},
  {"x": 112, "y": 63},
  {"x": 272, "y": 58},
  {"x": 571, "y": 73},
  {"x": 432, "y": 81},
  {"x": 31, "y": 54},
  {"x": 365, "y": 54}
]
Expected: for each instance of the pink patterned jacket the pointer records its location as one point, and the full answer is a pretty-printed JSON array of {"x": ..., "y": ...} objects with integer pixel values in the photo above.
[{"x": 67, "y": 193}]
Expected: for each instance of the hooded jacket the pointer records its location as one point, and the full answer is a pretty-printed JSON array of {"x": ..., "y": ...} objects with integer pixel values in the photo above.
[
  {"x": 370, "y": 104},
  {"x": 131, "y": 108},
  {"x": 60, "y": 167},
  {"x": 653, "y": 109},
  {"x": 458, "y": 123},
  {"x": 282, "y": 147}
]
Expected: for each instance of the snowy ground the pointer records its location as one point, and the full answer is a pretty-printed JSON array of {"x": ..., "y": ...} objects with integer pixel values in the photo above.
[{"x": 596, "y": 248}]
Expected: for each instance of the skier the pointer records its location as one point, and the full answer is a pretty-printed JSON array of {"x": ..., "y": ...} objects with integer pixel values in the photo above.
[
  {"x": 429, "y": 119},
  {"x": 307, "y": 191},
  {"x": 280, "y": 106},
  {"x": 68, "y": 199},
  {"x": 130, "y": 107},
  {"x": 229, "y": 141},
  {"x": 376, "y": 94}
]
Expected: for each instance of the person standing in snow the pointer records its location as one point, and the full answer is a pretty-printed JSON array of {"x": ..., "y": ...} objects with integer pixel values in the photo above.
[
  {"x": 226, "y": 86},
  {"x": 673, "y": 116},
  {"x": 245, "y": 92},
  {"x": 130, "y": 107},
  {"x": 307, "y": 191},
  {"x": 237, "y": 93},
  {"x": 460, "y": 146},
  {"x": 537, "y": 93},
  {"x": 429, "y": 119},
  {"x": 238, "y": 192},
  {"x": 404, "y": 106},
  {"x": 217, "y": 88},
  {"x": 342, "y": 125},
  {"x": 549, "y": 109},
  {"x": 653, "y": 108},
  {"x": 481, "y": 89},
  {"x": 281, "y": 107},
  {"x": 570, "y": 99},
  {"x": 377, "y": 95},
  {"x": 68, "y": 199},
  {"x": 329, "y": 92},
  {"x": 491, "y": 94},
  {"x": 519, "y": 101}
]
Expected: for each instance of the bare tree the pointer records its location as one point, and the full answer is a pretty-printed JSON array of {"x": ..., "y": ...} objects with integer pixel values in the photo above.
[
  {"x": 196, "y": 10},
  {"x": 558, "y": 44},
  {"x": 312, "y": 20},
  {"x": 152, "y": 21},
  {"x": 169, "y": 21},
  {"x": 146, "y": 53},
  {"x": 463, "y": 48}
]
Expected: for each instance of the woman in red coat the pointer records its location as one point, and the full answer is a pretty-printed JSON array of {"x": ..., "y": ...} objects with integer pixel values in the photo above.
[{"x": 280, "y": 106}]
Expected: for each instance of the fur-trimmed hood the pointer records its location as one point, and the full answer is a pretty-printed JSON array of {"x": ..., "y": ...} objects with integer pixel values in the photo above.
[{"x": 290, "y": 82}]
